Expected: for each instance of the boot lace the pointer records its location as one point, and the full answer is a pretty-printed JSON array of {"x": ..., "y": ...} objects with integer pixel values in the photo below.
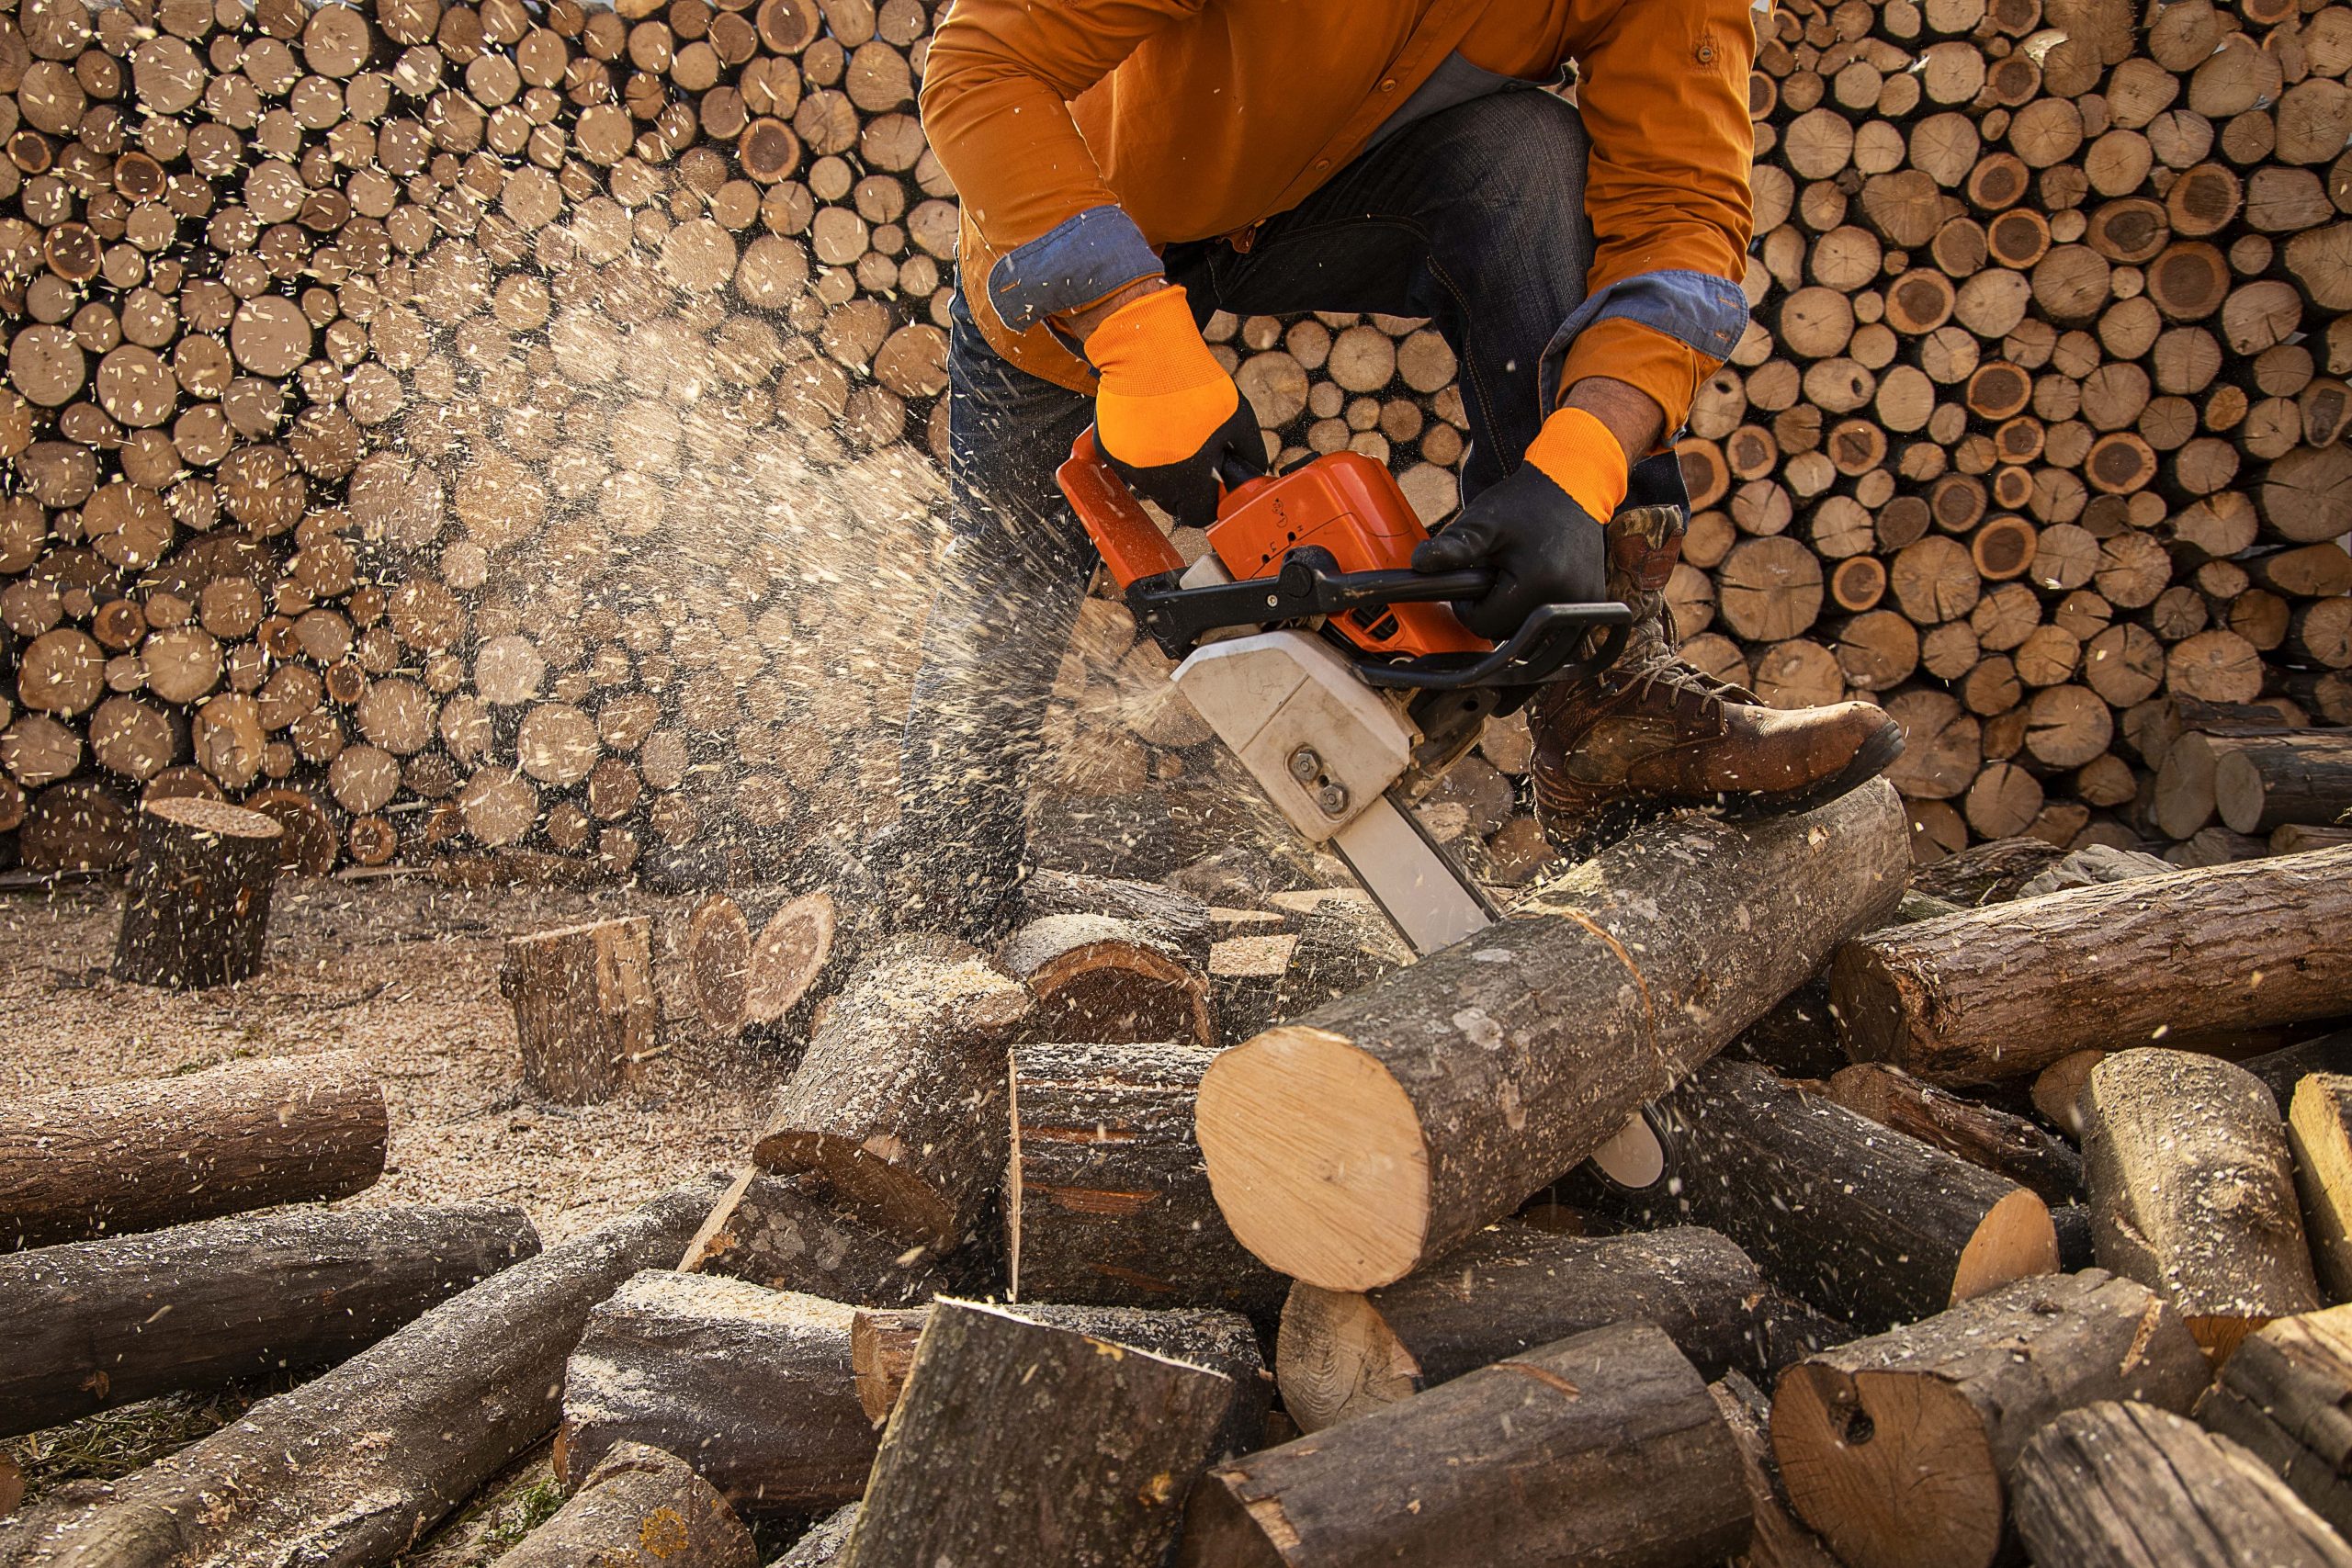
[{"x": 1650, "y": 660}]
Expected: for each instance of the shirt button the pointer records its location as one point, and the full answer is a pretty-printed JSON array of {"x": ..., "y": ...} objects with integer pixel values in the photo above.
[
  {"x": 1322, "y": 163},
  {"x": 1706, "y": 53},
  {"x": 1389, "y": 86}
]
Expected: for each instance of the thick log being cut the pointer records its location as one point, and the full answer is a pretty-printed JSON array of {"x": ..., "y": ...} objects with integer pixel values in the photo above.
[
  {"x": 778, "y": 1231},
  {"x": 1106, "y": 1200},
  {"x": 131, "y": 1156},
  {"x": 1603, "y": 1448},
  {"x": 196, "y": 909},
  {"x": 353, "y": 1467},
  {"x": 899, "y": 1104},
  {"x": 1343, "y": 944},
  {"x": 1100, "y": 978},
  {"x": 1506, "y": 1290},
  {"x": 95, "y": 1323},
  {"x": 754, "y": 1383},
  {"x": 2319, "y": 1134},
  {"x": 824, "y": 1547},
  {"x": 640, "y": 1509},
  {"x": 1353, "y": 1147},
  {"x": 2193, "y": 1193},
  {"x": 2284, "y": 1395},
  {"x": 585, "y": 1015},
  {"x": 2264, "y": 782},
  {"x": 2005, "y": 1145},
  {"x": 1088, "y": 1448},
  {"x": 1898, "y": 1448},
  {"x": 2120, "y": 1486},
  {"x": 1861, "y": 1221},
  {"x": 882, "y": 1351},
  {"x": 1781, "y": 1540},
  {"x": 1998, "y": 993}
]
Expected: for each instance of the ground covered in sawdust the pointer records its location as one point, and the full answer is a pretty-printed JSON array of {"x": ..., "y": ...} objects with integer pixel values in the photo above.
[{"x": 403, "y": 970}]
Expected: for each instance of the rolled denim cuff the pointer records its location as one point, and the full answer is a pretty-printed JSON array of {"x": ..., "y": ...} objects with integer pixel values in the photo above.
[
  {"x": 1697, "y": 309},
  {"x": 1075, "y": 262}
]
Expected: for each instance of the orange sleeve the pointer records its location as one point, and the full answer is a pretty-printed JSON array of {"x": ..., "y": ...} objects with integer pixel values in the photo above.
[
  {"x": 996, "y": 92},
  {"x": 1663, "y": 88}
]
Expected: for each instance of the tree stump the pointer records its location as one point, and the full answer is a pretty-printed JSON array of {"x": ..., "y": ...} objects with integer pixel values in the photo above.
[
  {"x": 585, "y": 1017},
  {"x": 195, "y": 912}
]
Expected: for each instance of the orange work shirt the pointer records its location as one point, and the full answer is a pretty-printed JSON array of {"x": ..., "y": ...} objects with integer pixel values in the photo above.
[{"x": 1204, "y": 117}]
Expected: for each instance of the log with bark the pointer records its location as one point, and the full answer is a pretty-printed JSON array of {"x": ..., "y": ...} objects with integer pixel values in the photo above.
[
  {"x": 882, "y": 1352},
  {"x": 639, "y": 1507},
  {"x": 1106, "y": 1199},
  {"x": 196, "y": 911},
  {"x": 585, "y": 1015},
  {"x": 1104, "y": 978},
  {"x": 353, "y": 1467},
  {"x": 2319, "y": 1134},
  {"x": 2003, "y": 1144},
  {"x": 825, "y": 1546},
  {"x": 2283, "y": 1395},
  {"x": 1562, "y": 1454},
  {"x": 899, "y": 1104},
  {"x": 1998, "y": 993},
  {"x": 754, "y": 1383},
  {"x": 2266, "y": 781},
  {"x": 1504, "y": 1291},
  {"x": 1860, "y": 1221},
  {"x": 98, "y": 1323},
  {"x": 2282, "y": 1069},
  {"x": 1355, "y": 1145},
  {"x": 780, "y": 1232},
  {"x": 1898, "y": 1448},
  {"x": 135, "y": 1155},
  {"x": 1090, "y": 1447},
  {"x": 2193, "y": 1191},
  {"x": 2123, "y": 1485}
]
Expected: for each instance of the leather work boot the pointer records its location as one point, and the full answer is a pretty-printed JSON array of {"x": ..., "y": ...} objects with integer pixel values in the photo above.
[{"x": 1653, "y": 732}]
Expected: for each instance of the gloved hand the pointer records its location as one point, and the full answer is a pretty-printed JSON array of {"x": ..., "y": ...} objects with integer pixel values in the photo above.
[
  {"x": 1166, "y": 414},
  {"x": 1540, "y": 529}
]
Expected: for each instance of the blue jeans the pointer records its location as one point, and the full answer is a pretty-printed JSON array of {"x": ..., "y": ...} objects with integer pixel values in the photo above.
[{"x": 1473, "y": 218}]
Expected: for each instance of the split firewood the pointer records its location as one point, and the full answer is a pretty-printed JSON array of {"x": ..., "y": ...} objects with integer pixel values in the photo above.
[
  {"x": 195, "y": 912},
  {"x": 882, "y": 1351},
  {"x": 1894, "y": 1228},
  {"x": 2283, "y": 1395},
  {"x": 2193, "y": 1191},
  {"x": 1100, "y": 978},
  {"x": 899, "y": 1103},
  {"x": 2319, "y": 1134},
  {"x": 755, "y": 1383},
  {"x": 1351, "y": 1147},
  {"x": 640, "y": 1509},
  {"x": 154, "y": 1152},
  {"x": 993, "y": 1393},
  {"x": 1106, "y": 1199},
  {"x": 1898, "y": 1449},
  {"x": 1557, "y": 1455},
  {"x": 780, "y": 1232},
  {"x": 584, "y": 1009},
  {"x": 2006, "y": 1145},
  {"x": 1781, "y": 1539},
  {"x": 415, "y": 1424},
  {"x": 2119, "y": 1486},
  {"x": 1502, "y": 1292},
  {"x": 104, "y": 1323},
  {"x": 2242, "y": 945}
]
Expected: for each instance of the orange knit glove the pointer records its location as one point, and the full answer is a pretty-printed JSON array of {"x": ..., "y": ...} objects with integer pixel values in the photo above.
[
  {"x": 1166, "y": 414},
  {"x": 1540, "y": 529}
]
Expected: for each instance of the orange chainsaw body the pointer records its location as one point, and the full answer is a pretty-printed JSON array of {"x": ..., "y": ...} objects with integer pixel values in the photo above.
[{"x": 1343, "y": 502}]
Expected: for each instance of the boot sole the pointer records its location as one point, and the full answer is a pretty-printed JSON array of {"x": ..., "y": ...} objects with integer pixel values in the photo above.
[{"x": 1620, "y": 819}]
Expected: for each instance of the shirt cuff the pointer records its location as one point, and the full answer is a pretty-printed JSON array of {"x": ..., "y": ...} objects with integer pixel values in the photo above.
[
  {"x": 1663, "y": 332},
  {"x": 1073, "y": 264}
]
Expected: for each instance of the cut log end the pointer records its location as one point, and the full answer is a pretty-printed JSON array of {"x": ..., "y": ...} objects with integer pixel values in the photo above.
[
  {"x": 1899, "y": 1462},
  {"x": 1316, "y": 1159},
  {"x": 1340, "y": 1359},
  {"x": 2016, "y": 1239}
]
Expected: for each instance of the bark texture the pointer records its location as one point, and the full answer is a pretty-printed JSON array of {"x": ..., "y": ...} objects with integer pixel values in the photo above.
[
  {"x": 1983, "y": 1136},
  {"x": 640, "y": 1509},
  {"x": 585, "y": 1015},
  {"x": 2287, "y": 1395},
  {"x": 780, "y": 1232},
  {"x": 196, "y": 909}
]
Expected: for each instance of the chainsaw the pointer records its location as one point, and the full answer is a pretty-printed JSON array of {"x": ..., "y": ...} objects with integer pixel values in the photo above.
[{"x": 1339, "y": 676}]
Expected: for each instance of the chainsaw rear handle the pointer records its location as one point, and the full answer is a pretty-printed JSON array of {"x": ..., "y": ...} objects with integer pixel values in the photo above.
[{"x": 1147, "y": 566}]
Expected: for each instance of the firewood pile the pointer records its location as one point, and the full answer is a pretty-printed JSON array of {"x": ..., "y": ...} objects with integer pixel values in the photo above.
[
  {"x": 461, "y": 428},
  {"x": 2023, "y": 1183}
]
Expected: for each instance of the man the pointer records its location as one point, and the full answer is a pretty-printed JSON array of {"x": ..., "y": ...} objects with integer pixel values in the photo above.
[{"x": 1128, "y": 167}]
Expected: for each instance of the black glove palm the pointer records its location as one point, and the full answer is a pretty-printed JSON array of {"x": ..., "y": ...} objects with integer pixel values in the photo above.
[
  {"x": 1186, "y": 489},
  {"x": 1543, "y": 548}
]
